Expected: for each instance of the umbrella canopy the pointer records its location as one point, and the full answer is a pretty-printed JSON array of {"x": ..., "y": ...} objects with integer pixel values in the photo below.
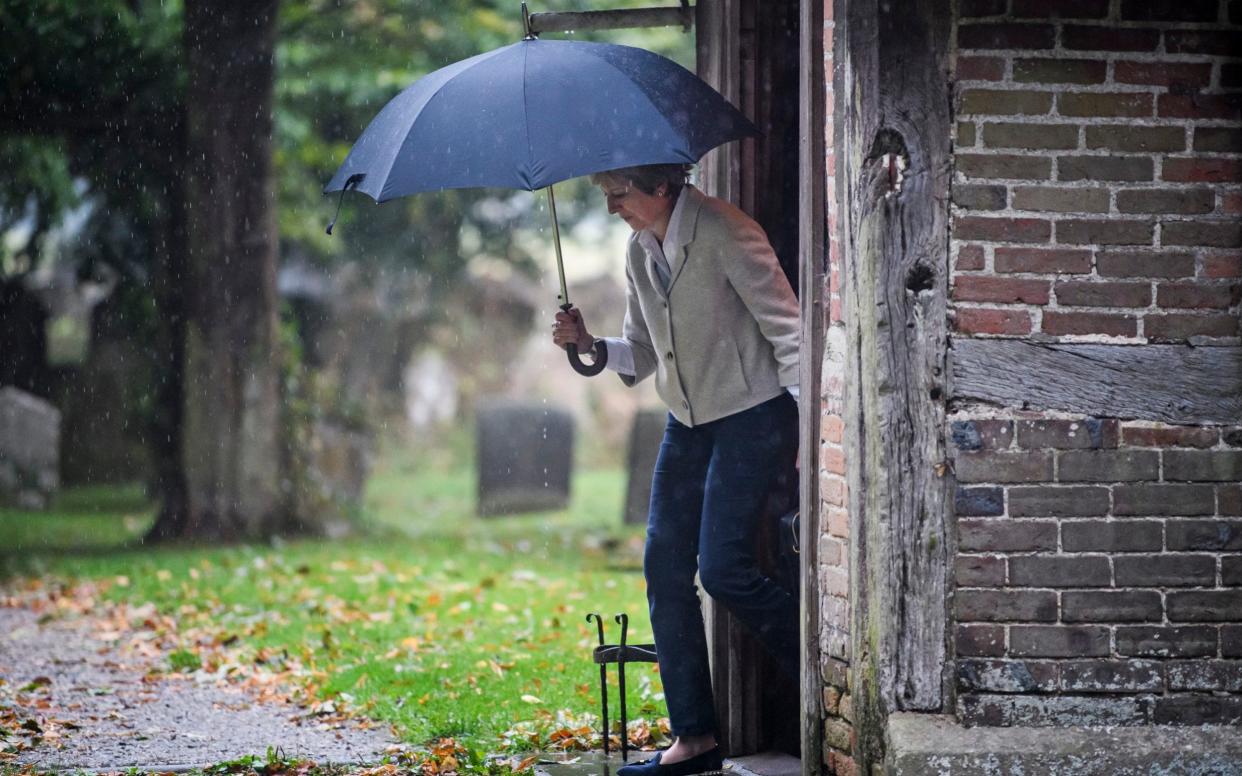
[{"x": 535, "y": 113}]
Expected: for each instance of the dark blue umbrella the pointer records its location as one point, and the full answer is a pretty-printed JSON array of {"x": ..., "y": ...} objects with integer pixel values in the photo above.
[{"x": 533, "y": 114}]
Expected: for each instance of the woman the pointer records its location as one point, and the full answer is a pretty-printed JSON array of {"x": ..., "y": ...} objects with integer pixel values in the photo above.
[{"x": 710, "y": 313}]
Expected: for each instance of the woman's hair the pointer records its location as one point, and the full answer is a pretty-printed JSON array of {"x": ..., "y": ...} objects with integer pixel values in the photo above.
[{"x": 648, "y": 177}]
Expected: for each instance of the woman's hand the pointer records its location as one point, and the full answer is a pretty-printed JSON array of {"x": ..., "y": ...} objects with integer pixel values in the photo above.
[{"x": 570, "y": 329}]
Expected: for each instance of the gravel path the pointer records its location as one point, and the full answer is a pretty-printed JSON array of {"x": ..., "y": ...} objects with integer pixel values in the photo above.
[{"x": 121, "y": 715}]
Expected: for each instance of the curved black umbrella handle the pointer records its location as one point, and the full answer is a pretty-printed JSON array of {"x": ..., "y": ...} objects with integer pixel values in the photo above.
[{"x": 582, "y": 367}]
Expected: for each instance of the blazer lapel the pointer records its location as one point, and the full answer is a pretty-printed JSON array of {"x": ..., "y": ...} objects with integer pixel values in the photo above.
[{"x": 677, "y": 254}]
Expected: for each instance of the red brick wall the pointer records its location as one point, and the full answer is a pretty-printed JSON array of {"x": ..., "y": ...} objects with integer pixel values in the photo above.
[
  {"x": 834, "y": 574},
  {"x": 1096, "y": 197}
]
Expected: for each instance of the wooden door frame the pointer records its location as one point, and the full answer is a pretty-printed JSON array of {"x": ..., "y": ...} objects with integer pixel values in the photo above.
[{"x": 717, "y": 25}]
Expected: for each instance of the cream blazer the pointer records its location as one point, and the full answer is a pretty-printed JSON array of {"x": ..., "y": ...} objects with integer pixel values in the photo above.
[{"x": 724, "y": 337}]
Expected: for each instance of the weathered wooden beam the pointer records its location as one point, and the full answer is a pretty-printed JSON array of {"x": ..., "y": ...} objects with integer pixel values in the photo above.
[
  {"x": 894, "y": 286},
  {"x": 572, "y": 21},
  {"x": 812, "y": 268},
  {"x": 1169, "y": 383}
]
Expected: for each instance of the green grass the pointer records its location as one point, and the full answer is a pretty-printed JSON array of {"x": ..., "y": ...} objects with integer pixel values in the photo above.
[{"x": 443, "y": 623}]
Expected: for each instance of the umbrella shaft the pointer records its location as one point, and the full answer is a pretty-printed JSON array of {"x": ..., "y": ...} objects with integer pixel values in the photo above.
[{"x": 556, "y": 240}]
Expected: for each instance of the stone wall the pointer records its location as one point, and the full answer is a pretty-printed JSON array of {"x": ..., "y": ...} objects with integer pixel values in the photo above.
[{"x": 1096, "y": 198}]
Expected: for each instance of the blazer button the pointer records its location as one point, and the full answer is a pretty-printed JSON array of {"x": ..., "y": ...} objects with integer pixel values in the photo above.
[{"x": 669, "y": 355}]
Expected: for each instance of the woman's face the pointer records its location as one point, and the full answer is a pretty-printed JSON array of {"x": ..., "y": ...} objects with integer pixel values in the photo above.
[{"x": 636, "y": 208}]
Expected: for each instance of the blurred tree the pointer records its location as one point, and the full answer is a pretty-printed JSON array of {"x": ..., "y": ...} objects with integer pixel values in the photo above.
[{"x": 101, "y": 102}]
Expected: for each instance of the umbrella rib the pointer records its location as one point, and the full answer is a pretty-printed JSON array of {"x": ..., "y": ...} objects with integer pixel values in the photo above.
[{"x": 530, "y": 152}]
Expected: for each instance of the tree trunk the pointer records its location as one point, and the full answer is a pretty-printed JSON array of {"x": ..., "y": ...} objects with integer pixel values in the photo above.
[{"x": 230, "y": 442}]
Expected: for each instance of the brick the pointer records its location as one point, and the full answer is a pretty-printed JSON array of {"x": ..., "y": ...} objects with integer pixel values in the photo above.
[
  {"x": 975, "y": 435},
  {"x": 1050, "y": 710},
  {"x": 987, "y": 535},
  {"x": 1076, "y": 293},
  {"x": 1199, "y": 106},
  {"x": 1111, "y": 676},
  {"x": 1164, "y": 641},
  {"x": 1004, "y": 166},
  {"x": 969, "y": 8},
  {"x": 1198, "y": 295},
  {"x": 980, "y": 640},
  {"x": 1109, "y": 38},
  {"x": 1232, "y": 437},
  {"x": 1170, "y": 570},
  {"x": 1005, "y": 36},
  {"x": 1222, "y": 265},
  {"x": 1052, "y": 501},
  {"x": 1204, "y": 605},
  {"x": 966, "y": 133},
  {"x": 1021, "y": 230},
  {"x": 979, "y": 571},
  {"x": 1044, "y": 136},
  {"x": 1184, "y": 201},
  {"x": 970, "y": 257},
  {"x": 1067, "y": 434},
  {"x": 1231, "y": 75},
  {"x": 1105, "y": 168},
  {"x": 982, "y": 288},
  {"x": 1059, "y": 571},
  {"x": 1058, "y": 641},
  {"x": 1003, "y": 467},
  {"x": 1063, "y": 323},
  {"x": 999, "y": 102},
  {"x": 1173, "y": 328},
  {"x": 1048, "y": 261},
  {"x": 1168, "y": 10},
  {"x": 1219, "y": 535},
  {"x": 1219, "y": 234},
  {"x": 1202, "y": 170},
  {"x": 1112, "y": 536},
  {"x": 1060, "y": 71},
  {"x": 1125, "y": 137},
  {"x": 1197, "y": 710},
  {"x": 1005, "y": 606},
  {"x": 1111, "y": 232},
  {"x": 984, "y": 320},
  {"x": 1231, "y": 571},
  {"x": 1203, "y": 42},
  {"x": 1127, "y": 264},
  {"x": 1111, "y": 606},
  {"x": 1130, "y": 104},
  {"x": 1231, "y": 203},
  {"x": 980, "y": 69},
  {"x": 1008, "y": 675},
  {"x": 1231, "y": 641},
  {"x": 1229, "y": 497},
  {"x": 1169, "y": 436},
  {"x": 1161, "y": 499},
  {"x": 1108, "y": 465},
  {"x": 979, "y": 502},
  {"x": 1062, "y": 9},
  {"x": 1205, "y": 675},
  {"x": 1203, "y": 465},
  {"x": 1061, "y": 200},
  {"x": 1183, "y": 74},
  {"x": 1227, "y": 140},
  {"x": 979, "y": 197}
]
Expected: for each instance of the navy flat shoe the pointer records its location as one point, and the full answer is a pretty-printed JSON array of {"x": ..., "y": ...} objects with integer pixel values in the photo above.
[{"x": 709, "y": 762}]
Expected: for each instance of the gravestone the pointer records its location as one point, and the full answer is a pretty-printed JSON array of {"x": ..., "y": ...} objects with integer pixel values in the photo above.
[
  {"x": 645, "y": 437},
  {"x": 525, "y": 457},
  {"x": 29, "y": 449}
]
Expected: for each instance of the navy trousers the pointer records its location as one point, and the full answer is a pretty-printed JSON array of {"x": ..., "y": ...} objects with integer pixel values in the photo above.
[{"x": 707, "y": 496}]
